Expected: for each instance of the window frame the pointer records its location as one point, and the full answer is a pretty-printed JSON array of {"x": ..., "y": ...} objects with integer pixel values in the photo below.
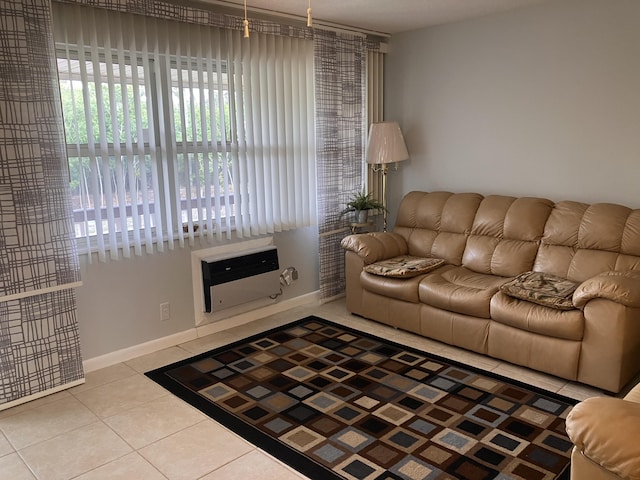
[{"x": 162, "y": 84}]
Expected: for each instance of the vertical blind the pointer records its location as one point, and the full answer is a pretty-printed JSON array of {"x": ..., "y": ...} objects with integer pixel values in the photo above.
[{"x": 178, "y": 130}]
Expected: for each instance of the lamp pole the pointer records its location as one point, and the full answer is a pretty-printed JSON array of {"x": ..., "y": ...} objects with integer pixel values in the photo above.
[{"x": 383, "y": 169}]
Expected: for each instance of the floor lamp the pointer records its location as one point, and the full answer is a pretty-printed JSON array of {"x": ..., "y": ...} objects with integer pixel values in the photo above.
[{"x": 385, "y": 145}]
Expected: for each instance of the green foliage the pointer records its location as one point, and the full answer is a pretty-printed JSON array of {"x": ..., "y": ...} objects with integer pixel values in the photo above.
[
  {"x": 196, "y": 121},
  {"x": 74, "y": 95},
  {"x": 362, "y": 201}
]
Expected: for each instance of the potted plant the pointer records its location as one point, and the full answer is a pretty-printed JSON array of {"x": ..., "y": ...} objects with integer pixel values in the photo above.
[{"x": 361, "y": 203}]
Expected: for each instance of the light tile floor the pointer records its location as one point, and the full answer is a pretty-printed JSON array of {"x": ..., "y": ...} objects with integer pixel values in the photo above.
[{"x": 121, "y": 425}]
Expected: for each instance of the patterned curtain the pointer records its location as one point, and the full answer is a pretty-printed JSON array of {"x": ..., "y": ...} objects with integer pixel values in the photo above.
[
  {"x": 340, "y": 76},
  {"x": 39, "y": 344},
  {"x": 199, "y": 15}
]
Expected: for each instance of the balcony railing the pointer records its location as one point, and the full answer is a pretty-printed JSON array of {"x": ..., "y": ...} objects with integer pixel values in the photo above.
[{"x": 82, "y": 217}]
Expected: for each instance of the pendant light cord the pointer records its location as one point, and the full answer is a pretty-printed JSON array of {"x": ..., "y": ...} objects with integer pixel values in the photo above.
[{"x": 246, "y": 21}]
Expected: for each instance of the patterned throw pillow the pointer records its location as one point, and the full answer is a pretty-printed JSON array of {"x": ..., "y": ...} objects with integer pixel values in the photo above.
[
  {"x": 404, "y": 266},
  {"x": 543, "y": 289}
]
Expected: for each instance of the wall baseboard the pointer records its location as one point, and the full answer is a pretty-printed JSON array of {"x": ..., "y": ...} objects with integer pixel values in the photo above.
[
  {"x": 155, "y": 345},
  {"x": 129, "y": 353},
  {"x": 35, "y": 396},
  {"x": 257, "y": 314}
]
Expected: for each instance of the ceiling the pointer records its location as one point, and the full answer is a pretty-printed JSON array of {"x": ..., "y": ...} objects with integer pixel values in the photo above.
[{"x": 381, "y": 16}]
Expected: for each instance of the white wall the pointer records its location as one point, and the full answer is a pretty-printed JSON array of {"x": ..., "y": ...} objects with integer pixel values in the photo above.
[
  {"x": 119, "y": 302},
  {"x": 542, "y": 101}
]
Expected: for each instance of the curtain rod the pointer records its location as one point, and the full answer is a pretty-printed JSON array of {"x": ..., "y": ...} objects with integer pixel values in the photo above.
[{"x": 299, "y": 20}]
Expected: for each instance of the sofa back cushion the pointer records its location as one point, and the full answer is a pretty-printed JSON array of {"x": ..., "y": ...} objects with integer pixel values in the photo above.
[
  {"x": 505, "y": 235},
  {"x": 582, "y": 240},
  {"x": 436, "y": 224}
]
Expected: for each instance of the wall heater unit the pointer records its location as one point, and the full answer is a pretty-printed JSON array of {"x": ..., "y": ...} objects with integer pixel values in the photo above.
[{"x": 240, "y": 277}]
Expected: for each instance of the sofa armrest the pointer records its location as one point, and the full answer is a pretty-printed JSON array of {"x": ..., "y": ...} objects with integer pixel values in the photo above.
[
  {"x": 375, "y": 246},
  {"x": 618, "y": 286},
  {"x": 606, "y": 430}
]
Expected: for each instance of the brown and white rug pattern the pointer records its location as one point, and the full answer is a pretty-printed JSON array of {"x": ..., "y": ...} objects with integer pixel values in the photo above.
[{"x": 338, "y": 403}]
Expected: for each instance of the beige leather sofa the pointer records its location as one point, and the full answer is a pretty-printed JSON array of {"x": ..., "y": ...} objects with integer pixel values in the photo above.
[
  {"x": 486, "y": 241},
  {"x": 606, "y": 435}
]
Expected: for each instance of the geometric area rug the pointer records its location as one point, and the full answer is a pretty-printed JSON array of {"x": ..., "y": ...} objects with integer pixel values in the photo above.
[{"x": 337, "y": 403}]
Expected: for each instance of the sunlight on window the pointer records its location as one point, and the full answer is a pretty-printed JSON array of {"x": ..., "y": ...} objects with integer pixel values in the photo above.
[
  {"x": 109, "y": 112},
  {"x": 176, "y": 130}
]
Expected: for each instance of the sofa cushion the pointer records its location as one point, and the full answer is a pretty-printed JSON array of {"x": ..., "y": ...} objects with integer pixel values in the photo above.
[
  {"x": 543, "y": 289},
  {"x": 582, "y": 240},
  {"x": 460, "y": 290},
  {"x": 436, "y": 224},
  {"x": 505, "y": 234},
  {"x": 405, "y": 289},
  {"x": 403, "y": 266},
  {"x": 531, "y": 317}
]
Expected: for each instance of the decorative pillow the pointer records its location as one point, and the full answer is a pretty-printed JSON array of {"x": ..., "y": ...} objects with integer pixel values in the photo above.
[
  {"x": 403, "y": 266},
  {"x": 543, "y": 289}
]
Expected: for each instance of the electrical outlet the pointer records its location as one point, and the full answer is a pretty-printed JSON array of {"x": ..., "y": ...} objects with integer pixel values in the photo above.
[{"x": 165, "y": 311}]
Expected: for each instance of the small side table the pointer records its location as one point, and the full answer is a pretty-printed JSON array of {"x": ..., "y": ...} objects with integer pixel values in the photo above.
[{"x": 362, "y": 227}]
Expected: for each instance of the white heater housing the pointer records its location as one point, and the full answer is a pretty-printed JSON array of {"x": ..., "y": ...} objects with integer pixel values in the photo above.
[{"x": 239, "y": 278}]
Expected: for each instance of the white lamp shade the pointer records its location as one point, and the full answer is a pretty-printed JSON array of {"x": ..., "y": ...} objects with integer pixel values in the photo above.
[{"x": 386, "y": 143}]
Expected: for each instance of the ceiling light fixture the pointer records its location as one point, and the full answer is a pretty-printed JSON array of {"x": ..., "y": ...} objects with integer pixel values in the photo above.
[
  {"x": 309, "y": 22},
  {"x": 246, "y": 21}
]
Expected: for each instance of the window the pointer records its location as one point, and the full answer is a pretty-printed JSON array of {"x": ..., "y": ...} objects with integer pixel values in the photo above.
[
  {"x": 110, "y": 163},
  {"x": 175, "y": 130}
]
